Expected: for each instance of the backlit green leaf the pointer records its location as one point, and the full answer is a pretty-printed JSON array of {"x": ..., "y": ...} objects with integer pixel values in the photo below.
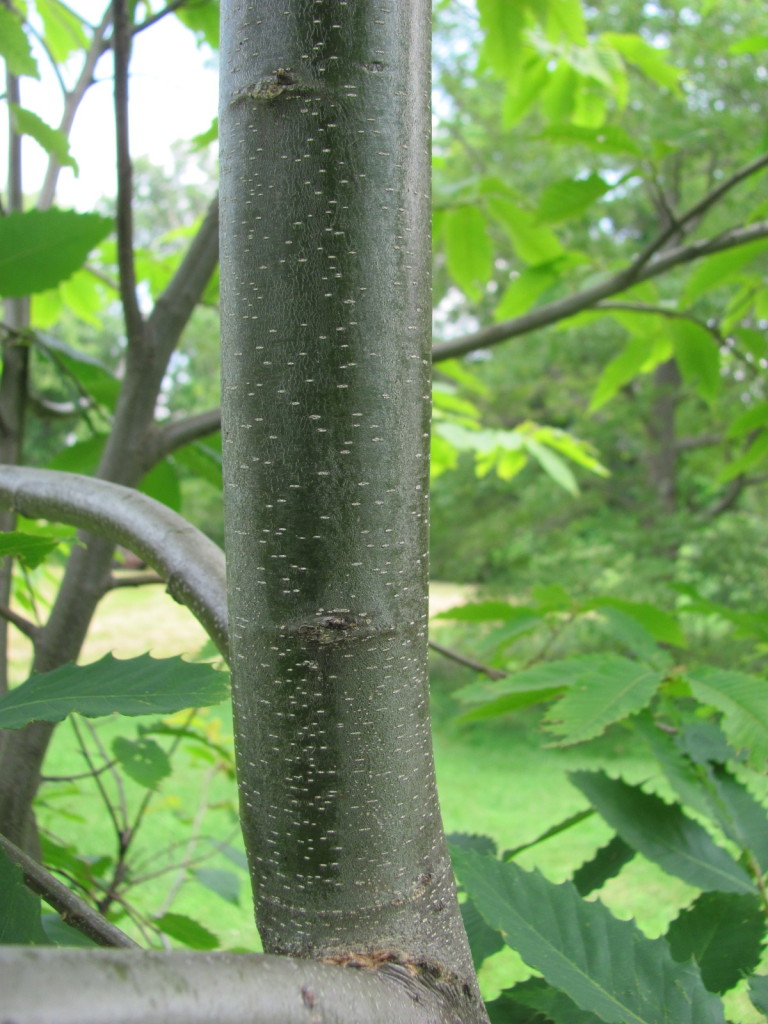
[
  {"x": 142, "y": 760},
  {"x": 14, "y": 45},
  {"x": 468, "y": 249},
  {"x": 187, "y": 931},
  {"x": 30, "y": 549},
  {"x": 53, "y": 141},
  {"x": 698, "y": 357},
  {"x": 39, "y": 248},
  {"x": 568, "y": 198}
]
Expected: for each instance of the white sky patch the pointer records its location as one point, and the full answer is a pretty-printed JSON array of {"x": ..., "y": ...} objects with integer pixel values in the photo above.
[{"x": 173, "y": 95}]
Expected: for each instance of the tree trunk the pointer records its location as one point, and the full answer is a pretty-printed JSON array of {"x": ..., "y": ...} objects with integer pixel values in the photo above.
[{"x": 325, "y": 263}]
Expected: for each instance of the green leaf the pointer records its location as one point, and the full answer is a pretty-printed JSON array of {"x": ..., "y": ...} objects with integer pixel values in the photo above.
[
  {"x": 724, "y": 933},
  {"x": 607, "y": 863},
  {"x": 614, "y": 688},
  {"x": 636, "y": 358},
  {"x": 534, "y": 243},
  {"x": 749, "y": 44},
  {"x": 523, "y": 291},
  {"x": 758, "y": 992},
  {"x": 742, "y": 818},
  {"x": 555, "y": 467},
  {"x": 488, "y": 611},
  {"x": 662, "y": 626},
  {"x": 31, "y": 550},
  {"x": 571, "y": 197},
  {"x": 502, "y": 24},
  {"x": 162, "y": 484},
  {"x": 59, "y": 933},
  {"x": 225, "y": 884},
  {"x": 484, "y": 941},
  {"x": 507, "y": 1010},
  {"x": 507, "y": 704},
  {"x": 187, "y": 931},
  {"x": 606, "y": 966},
  {"x": 39, "y": 248},
  {"x": 743, "y": 700},
  {"x": 136, "y": 686},
  {"x": 752, "y": 457},
  {"x": 465, "y": 841},
  {"x": 63, "y": 30},
  {"x": 698, "y": 357},
  {"x": 81, "y": 457},
  {"x": 646, "y": 58},
  {"x": 20, "y": 923},
  {"x": 468, "y": 250},
  {"x": 663, "y": 834},
  {"x": 14, "y": 45},
  {"x": 713, "y": 271},
  {"x": 53, "y": 141},
  {"x": 548, "y": 1003},
  {"x": 142, "y": 760},
  {"x": 756, "y": 416}
]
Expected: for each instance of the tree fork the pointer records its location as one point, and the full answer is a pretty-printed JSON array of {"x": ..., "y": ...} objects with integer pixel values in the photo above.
[{"x": 325, "y": 266}]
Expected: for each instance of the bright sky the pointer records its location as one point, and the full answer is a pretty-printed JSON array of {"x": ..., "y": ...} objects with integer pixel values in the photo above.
[{"x": 173, "y": 96}]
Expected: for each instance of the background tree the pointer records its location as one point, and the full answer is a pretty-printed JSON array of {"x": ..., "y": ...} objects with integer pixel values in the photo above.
[{"x": 615, "y": 215}]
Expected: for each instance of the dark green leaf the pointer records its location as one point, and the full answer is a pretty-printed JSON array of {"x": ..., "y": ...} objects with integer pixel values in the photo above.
[
  {"x": 464, "y": 841},
  {"x": 724, "y": 933},
  {"x": 142, "y": 760},
  {"x": 19, "y": 908},
  {"x": 187, "y": 931},
  {"x": 743, "y": 818},
  {"x": 606, "y": 966},
  {"x": 483, "y": 940},
  {"x": 136, "y": 686},
  {"x": 224, "y": 883},
  {"x": 663, "y": 833},
  {"x": 506, "y": 1010},
  {"x": 40, "y": 248},
  {"x": 29, "y": 549},
  {"x": 60, "y": 933},
  {"x": 607, "y": 863},
  {"x": 551, "y": 1003},
  {"x": 758, "y": 992}
]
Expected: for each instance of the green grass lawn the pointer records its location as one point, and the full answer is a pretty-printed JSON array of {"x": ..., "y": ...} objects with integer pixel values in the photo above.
[{"x": 495, "y": 778}]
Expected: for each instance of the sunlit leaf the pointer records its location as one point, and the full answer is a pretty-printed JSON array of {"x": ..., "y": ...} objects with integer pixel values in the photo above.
[
  {"x": 698, "y": 357},
  {"x": 468, "y": 249},
  {"x": 53, "y": 141},
  {"x": 14, "y": 45},
  {"x": 62, "y": 29},
  {"x": 39, "y": 248}
]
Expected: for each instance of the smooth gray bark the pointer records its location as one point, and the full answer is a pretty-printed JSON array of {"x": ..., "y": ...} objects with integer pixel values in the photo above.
[
  {"x": 326, "y": 326},
  {"x": 40, "y": 985}
]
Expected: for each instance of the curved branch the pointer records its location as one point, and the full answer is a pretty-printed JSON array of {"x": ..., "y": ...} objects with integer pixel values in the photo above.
[
  {"x": 192, "y": 564},
  {"x": 74, "y": 911},
  {"x": 170, "y": 436},
  {"x": 84, "y": 987},
  {"x": 569, "y": 306}
]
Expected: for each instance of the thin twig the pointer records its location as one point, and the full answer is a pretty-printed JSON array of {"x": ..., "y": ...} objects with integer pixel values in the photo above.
[
  {"x": 74, "y": 911},
  {"x": 588, "y": 298},
  {"x": 460, "y": 659},
  {"x": 137, "y": 579},
  {"x": 29, "y": 629},
  {"x": 134, "y": 322}
]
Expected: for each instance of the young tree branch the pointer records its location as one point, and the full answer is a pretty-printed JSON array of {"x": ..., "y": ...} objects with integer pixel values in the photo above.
[
  {"x": 167, "y": 437},
  {"x": 589, "y": 298},
  {"x": 460, "y": 659},
  {"x": 121, "y": 43},
  {"x": 74, "y": 911},
  {"x": 29, "y": 629},
  {"x": 191, "y": 563},
  {"x": 84, "y": 987}
]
